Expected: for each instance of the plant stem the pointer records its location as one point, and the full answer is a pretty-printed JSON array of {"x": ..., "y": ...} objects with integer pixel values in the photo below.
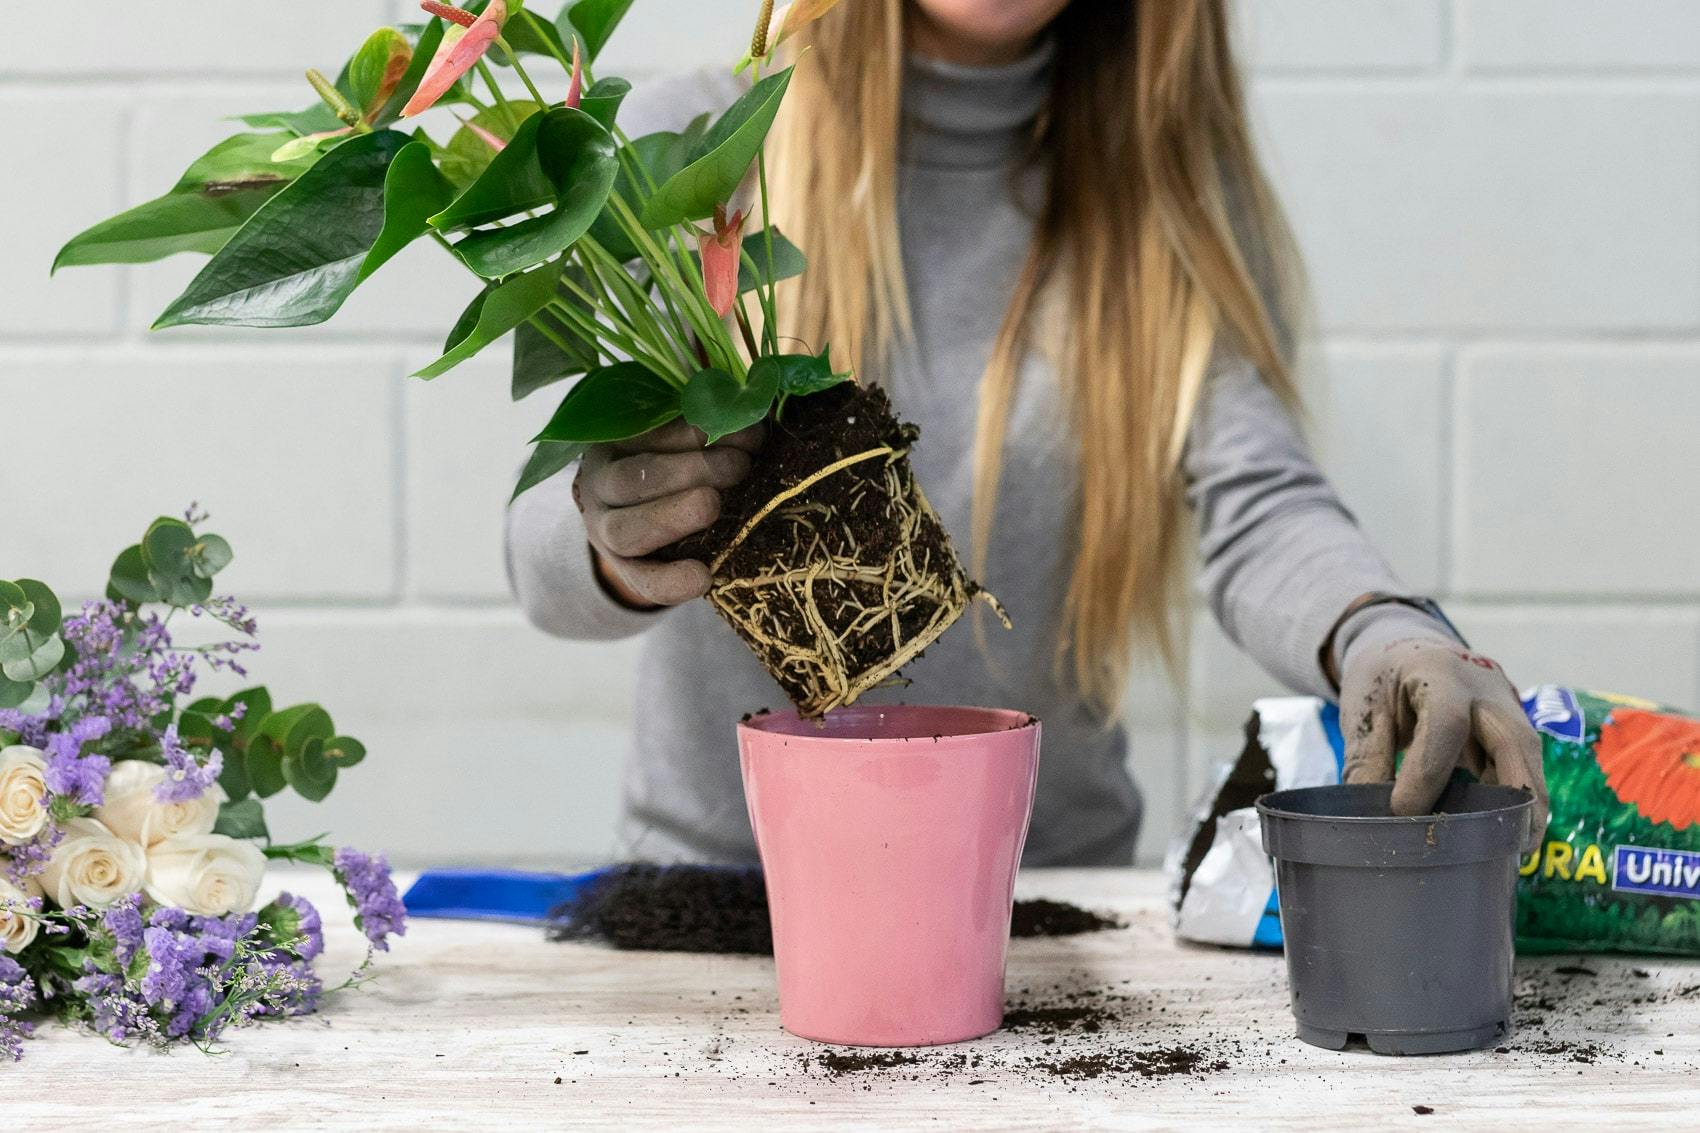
[
  {"x": 769, "y": 331},
  {"x": 496, "y": 93},
  {"x": 519, "y": 69}
]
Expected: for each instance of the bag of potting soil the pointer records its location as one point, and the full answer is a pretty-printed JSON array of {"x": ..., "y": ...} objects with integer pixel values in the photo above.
[{"x": 1617, "y": 870}]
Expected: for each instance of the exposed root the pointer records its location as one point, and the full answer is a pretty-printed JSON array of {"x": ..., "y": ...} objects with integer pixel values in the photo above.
[{"x": 831, "y": 615}]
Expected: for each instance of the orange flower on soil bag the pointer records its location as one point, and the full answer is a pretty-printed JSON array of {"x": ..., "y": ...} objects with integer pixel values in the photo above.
[{"x": 1653, "y": 762}]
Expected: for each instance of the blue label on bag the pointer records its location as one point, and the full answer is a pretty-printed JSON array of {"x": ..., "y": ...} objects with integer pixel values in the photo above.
[
  {"x": 1553, "y": 709},
  {"x": 1668, "y": 873}
]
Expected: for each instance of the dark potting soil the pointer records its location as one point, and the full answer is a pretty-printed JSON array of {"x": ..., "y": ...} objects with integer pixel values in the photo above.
[
  {"x": 688, "y": 908},
  {"x": 852, "y": 514}
]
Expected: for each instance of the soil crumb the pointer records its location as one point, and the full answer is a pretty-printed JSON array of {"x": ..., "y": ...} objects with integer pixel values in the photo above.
[{"x": 723, "y": 909}]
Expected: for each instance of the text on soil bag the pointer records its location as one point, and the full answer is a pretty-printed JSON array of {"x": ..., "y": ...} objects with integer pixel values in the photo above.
[{"x": 1671, "y": 873}]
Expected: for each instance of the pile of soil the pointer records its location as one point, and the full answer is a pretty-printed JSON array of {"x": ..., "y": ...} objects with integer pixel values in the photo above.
[
  {"x": 848, "y": 576},
  {"x": 723, "y": 909}
]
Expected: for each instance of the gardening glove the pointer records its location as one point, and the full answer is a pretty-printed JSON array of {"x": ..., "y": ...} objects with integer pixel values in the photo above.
[
  {"x": 642, "y": 494},
  {"x": 1408, "y": 684}
]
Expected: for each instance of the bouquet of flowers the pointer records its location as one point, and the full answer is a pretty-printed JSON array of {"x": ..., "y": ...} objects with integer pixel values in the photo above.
[
  {"x": 621, "y": 263},
  {"x": 133, "y": 840}
]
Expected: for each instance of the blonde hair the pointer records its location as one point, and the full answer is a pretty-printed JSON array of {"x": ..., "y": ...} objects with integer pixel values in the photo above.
[{"x": 1138, "y": 252}]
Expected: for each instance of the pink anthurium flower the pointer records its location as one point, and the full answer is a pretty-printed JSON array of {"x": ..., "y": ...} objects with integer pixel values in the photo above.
[
  {"x": 483, "y": 135},
  {"x": 575, "y": 87},
  {"x": 720, "y": 250},
  {"x": 463, "y": 45}
]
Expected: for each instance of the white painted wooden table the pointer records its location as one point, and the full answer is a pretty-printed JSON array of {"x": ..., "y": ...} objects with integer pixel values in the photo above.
[{"x": 489, "y": 1026}]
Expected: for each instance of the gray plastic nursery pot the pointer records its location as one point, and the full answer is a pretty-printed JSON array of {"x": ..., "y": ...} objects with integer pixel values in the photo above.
[{"x": 1398, "y": 929}]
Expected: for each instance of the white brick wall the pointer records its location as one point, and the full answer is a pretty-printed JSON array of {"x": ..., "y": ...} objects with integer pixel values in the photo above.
[{"x": 1500, "y": 201}]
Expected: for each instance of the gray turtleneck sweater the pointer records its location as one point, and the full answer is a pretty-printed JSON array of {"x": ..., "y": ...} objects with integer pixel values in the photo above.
[{"x": 1280, "y": 557}]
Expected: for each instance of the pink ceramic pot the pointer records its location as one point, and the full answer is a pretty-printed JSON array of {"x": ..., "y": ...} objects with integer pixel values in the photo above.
[{"x": 890, "y": 837}]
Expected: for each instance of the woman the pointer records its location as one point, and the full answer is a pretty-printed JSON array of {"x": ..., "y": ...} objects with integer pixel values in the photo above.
[{"x": 1041, "y": 226}]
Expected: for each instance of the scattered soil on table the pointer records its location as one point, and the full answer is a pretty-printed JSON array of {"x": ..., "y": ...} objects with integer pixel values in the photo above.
[
  {"x": 860, "y": 539},
  {"x": 723, "y": 909}
]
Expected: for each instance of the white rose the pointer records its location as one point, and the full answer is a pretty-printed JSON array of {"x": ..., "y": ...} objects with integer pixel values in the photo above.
[
  {"x": 131, "y": 811},
  {"x": 92, "y": 866},
  {"x": 18, "y": 924},
  {"x": 207, "y": 874},
  {"x": 23, "y": 793}
]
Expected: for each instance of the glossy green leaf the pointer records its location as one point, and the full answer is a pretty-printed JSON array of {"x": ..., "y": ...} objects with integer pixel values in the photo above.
[
  {"x": 496, "y": 311},
  {"x": 242, "y": 818},
  {"x": 718, "y": 404},
  {"x": 728, "y": 149},
  {"x": 220, "y": 190},
  {"x": 297, "y": 258},
  {"x": 512, "y": 183},
  {"x": 801, "y": 374},
  {"x": 466, "y": 156},
  {"x": 370, "y": 67},
  {"x": 576, "y": 156},
  {"x": 650, "y": 159},
  {"x": 315, "y": 119},
  {"x": 530, "y": 34},
  {"x": 413, "y": 191},
  {"x": 595, "y": 21},
  {"x": 129, "y": 578},
  {"x": 601, "y": 100},
  {"x": 548, "y": 458},
  {"x": 539, "y": 359},
  {"x": 613, "y": 403}
]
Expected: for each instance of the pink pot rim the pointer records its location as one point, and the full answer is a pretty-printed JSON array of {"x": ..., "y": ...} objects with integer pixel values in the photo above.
[{"x": 971, "y": 724}]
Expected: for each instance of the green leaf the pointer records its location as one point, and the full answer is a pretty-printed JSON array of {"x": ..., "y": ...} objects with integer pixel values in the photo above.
[
  {"x": 497, "y": 310},
  {"x": 512, "y": 183},
  {"x": 310, "y": 852},
  {"x": 538, "y": 360},
  {"x": 548, "y": 458},
  {"x": 255, "y": 705},
  {"x": 129, "y": 578},
  {"x": 315, "y": 119},
  {"x": 173, "y": 557},
  {"x": 601, "y": 100},
  {"x": 38, "y": 664},
  {"x": 242, "y": 818},
  {"x": 429, "y": 39},
  {"x": 613, "y": 403},
  {"x": 576, "y": 155},
  {"x": 213, "y": 556},
  {"x": 715, "y": 402},
  {"x": 531, "y": 34},
  {"x": 800, "y": 374},
  {"x": 595, "y": 21},
  {"x": 344, "y": 751},
  {"x": 29, "y": 619},
  {"x": 233, "y": 777},
  {"x": 215, "y": 195},
  {"x": 293, "y": 727},
  {"x": 656, "y": 157},
  {"x": 14, "y": 693},
  {"x": 728, "y": 148},
  {"x": 370, "y": 67},
  {"x": 305, "y": 769},
  {"x": 413, "y": 191},
  {"x": 297, "y": 258},
  {"x": 467, "y": 155},
  {"x": 196, "y": 729}
]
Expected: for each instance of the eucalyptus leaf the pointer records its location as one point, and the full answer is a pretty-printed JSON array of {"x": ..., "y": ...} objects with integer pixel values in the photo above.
[
  {"x": 242, "y": 818},
  {"x": 36, "y": 665},
  {"x": 265, "y": 767},
  {"x": 496, "y": 311},
  {"x": 173, "y": 557},
  {"x": 548, "y": 459},
  {"x": 298, "y": 257},
  {"x": 576, "y": 155},
  {"x": 718, "y": 404},
  {"x": 612, "y": 403},
  {"x": 129, "y": 578},
  {"x": 255, "y": 704},
  {"x": 233, "y": 777},
  {"x": 344, "y": 751},
  {"x": 728, "y": 148},
  {"x": 13, "y": 693}
]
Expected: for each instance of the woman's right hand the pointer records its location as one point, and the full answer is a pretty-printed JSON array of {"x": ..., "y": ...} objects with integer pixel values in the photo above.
[{"x": 639, "y": 495}]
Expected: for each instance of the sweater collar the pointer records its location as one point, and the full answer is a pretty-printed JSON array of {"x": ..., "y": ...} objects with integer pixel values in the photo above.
[{"x": 973, "y": 117}]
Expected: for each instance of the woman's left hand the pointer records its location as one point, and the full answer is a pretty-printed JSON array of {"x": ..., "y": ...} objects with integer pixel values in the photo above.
[{"x": 1411, "y": 687}]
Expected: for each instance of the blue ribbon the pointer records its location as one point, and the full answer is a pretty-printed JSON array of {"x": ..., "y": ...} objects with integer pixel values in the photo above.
[{"x": 519, "y": 896}]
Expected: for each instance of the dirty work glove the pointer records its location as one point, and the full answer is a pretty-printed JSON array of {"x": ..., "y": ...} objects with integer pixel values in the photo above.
[
  {"x": 1409, "y": 685},
  {"x": 639, "y": 495}
]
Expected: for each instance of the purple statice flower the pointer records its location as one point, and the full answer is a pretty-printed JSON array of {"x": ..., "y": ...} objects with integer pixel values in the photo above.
[
  {"x": 275, "y": 985},
  {"x": 298, "y": 927},
  {"x": 72, "y": 774},
  {"x": 378, "y": 911},
  {"x": 187, "y": 955},
  {"x": 123, "y": 923},
  {"x": 186, "y": 777},
  {"x": 17, "y": 997},
  {"x": 32, "y": 857},
  {"x": 115, "y": 1008},
  {"x": 31, "y": 730}
]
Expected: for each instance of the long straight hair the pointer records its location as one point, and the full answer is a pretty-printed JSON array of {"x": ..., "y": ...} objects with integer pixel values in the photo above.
[{"x": 1158, "y": 242}]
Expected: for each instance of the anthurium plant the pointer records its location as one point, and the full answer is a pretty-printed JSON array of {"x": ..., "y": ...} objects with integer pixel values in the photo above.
[{"x": 644, "y": 268}]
